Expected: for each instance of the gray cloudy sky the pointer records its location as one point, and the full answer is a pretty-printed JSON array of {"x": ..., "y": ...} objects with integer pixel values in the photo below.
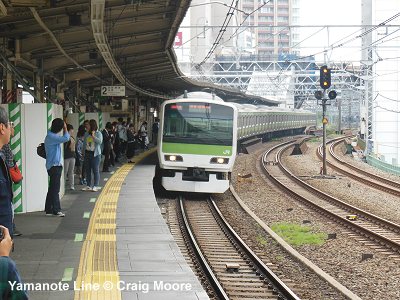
[{"x": 324, "y": 12}]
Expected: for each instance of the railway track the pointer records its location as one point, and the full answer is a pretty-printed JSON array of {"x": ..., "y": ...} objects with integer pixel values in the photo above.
[
  {"x": 371, "y": 227},
  {"x": 378, "y": 182},
  {"x": 232, "y": 269}
]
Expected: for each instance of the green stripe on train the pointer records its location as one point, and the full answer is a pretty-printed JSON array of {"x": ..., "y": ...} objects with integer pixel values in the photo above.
[{"x": 197, "y": 149}]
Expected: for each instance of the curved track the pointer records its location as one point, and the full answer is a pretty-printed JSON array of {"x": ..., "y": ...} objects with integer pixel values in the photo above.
[
  {"x": 378, "y": 182},
  {"x": 384, "y": 232},
  {"x": 216, "y": 245}
]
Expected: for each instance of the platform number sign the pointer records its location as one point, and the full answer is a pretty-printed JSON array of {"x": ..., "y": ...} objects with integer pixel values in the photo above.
[{"x": 113, "y": 90}]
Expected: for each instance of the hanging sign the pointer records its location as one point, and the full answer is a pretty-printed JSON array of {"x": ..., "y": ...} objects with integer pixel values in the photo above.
[{"x": 113, "y": 90}]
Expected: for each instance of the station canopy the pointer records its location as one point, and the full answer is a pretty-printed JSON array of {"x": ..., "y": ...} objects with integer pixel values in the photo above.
[{"x": 99, "y": 43}]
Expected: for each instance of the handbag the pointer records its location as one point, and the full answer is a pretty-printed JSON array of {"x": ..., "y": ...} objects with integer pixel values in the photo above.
[
  {"x": 41, "y": 150},
  {"x": 15, "y": 174}
]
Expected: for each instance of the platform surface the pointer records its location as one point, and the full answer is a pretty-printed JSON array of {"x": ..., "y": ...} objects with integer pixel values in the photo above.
[{"x": 148, "y": 262}]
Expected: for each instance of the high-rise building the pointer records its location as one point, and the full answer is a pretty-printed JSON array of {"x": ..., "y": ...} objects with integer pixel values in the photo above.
[
  {"x": 258, "y": 27},
  {"x": 270, "y": 22},
  {"x": 386, "y": 82},
  {"x": 245, "y": 40}
]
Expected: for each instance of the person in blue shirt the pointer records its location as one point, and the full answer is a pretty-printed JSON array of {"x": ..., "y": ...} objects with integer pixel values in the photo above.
[
  {"x": 9, "y": 276},
  {"x": 54, "y": 165}
]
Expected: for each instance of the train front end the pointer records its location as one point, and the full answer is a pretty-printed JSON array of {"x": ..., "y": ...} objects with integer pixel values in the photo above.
[{"x": 197, "y": 147}]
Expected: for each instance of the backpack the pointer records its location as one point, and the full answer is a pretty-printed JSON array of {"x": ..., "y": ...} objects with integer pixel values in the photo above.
[{"x": 41, "y": 150}]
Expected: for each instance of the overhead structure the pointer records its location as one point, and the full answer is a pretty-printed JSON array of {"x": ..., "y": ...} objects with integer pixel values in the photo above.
[
  {"x": 292, "y": 82},
  {"x": 59, "y": 44}
]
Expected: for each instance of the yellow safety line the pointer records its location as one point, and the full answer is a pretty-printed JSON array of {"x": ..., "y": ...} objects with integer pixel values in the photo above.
[{"x": 98, "y": 274}]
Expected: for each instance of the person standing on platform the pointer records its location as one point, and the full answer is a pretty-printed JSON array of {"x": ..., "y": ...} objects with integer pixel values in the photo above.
[
  {"x": 154, "y": 130},
  {"x": 79, "y": 152},
  {"x": 8, "y": 270},
  {"x": 6, "y": 195},
  {"x": 107, "y": 146},
  {"x": 92, "y": 145},
  {"x": 131, "y": 147},
  {"x": 115, "y": 143},
  {"x": 54, "y": 165},
  {"x": 123, "y": 138},
  {"x": 85, "y": 165},
  {"x": 69, "y": 158},
  {"x": 143, "y": 135},
  {"x": 10, "y": 163}
]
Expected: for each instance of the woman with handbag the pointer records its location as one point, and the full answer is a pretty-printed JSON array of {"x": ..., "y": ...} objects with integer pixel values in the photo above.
[{"x": 92, "y": 146}]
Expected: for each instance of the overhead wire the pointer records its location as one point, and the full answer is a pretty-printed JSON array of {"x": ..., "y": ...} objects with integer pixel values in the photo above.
[
  {"x": 244, "y": 20},
  {"x": 387, "y": 109},
  {"x": 202, "y": 32},
  {"x": 387, "y": 98},
  {"x": 332, "y": 47},
  {"x": 221, "y": 32}
]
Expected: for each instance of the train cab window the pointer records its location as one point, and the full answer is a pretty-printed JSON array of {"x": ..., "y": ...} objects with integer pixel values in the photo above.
[{"x": 198, "y": 123}]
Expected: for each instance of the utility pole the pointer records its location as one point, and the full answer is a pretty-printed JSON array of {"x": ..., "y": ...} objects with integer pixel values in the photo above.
[
  {"x": 325, "y": 83},
  {"x": 366, "y": 109},
  {"x": 339, "y": 102},
  {"x": 324, "y": 122}
]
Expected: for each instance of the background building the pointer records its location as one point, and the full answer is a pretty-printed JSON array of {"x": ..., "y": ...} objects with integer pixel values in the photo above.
[{"x": 386, "y": 82}]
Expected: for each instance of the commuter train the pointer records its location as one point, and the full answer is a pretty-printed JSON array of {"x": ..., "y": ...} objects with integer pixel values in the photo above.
[{"x": 199, "y": 134}]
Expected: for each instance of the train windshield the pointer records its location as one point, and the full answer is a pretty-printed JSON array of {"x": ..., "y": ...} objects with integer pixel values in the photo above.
[{"x": 198, "y": 123}]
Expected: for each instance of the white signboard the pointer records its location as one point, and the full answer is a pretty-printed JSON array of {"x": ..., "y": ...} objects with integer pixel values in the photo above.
[{"x": 113, "y": 90}]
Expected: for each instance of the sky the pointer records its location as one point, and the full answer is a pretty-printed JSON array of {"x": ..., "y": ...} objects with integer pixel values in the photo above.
[{"x": 323, "y": 12}]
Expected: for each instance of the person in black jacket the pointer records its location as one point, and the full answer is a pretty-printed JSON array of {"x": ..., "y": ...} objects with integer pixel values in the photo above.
[
  {"x": 107, "y": 146},
  {"x": 6, "y": 195},
  {"x": 154, "y": 130},
  {"x": 130, "y": 151},
  {"x": 70, "y": 157}
]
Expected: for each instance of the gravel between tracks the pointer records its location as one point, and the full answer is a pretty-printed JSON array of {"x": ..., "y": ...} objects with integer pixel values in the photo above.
[
  {"x": 377, "y": 278},
  {"x": 364, "y": 166}
]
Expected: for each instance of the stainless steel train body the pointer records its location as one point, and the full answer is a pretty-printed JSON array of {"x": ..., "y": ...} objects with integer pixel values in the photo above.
[
  {"x": 260, "y": 120},
  {"x": 199, "y": 135}
]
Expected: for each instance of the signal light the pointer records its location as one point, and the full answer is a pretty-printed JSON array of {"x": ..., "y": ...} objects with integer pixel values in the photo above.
[
  {"x": 332, "y": 94},
  {"x": 318, "y": 95},
  {"x": 325, "y": 77}
]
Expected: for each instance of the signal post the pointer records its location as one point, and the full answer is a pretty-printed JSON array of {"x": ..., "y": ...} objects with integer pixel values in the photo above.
[{"x": 325, "y": 83}]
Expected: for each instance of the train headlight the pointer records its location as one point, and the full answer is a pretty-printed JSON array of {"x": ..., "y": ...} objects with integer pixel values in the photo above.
[
  {"x": 173, "y": 158},
  {"x": 219, "y": 160}
]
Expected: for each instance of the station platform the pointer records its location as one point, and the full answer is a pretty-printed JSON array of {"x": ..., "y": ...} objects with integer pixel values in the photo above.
[{"x": 112, "y": 244}]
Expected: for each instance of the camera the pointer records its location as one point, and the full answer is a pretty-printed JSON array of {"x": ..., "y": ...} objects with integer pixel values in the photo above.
[{"x": 1, "y": 234}]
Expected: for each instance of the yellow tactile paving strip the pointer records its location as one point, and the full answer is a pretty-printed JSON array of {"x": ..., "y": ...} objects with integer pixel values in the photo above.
[{"x": 98, "y": 274}]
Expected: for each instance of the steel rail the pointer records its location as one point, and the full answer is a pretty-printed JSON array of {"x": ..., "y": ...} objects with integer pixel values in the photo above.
[
  {"x": 217, "y": 287},
  {"x": 282, "y": 289},
  {"x": 335, "y": 143},
  {"x": 394, "y": 246}
]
